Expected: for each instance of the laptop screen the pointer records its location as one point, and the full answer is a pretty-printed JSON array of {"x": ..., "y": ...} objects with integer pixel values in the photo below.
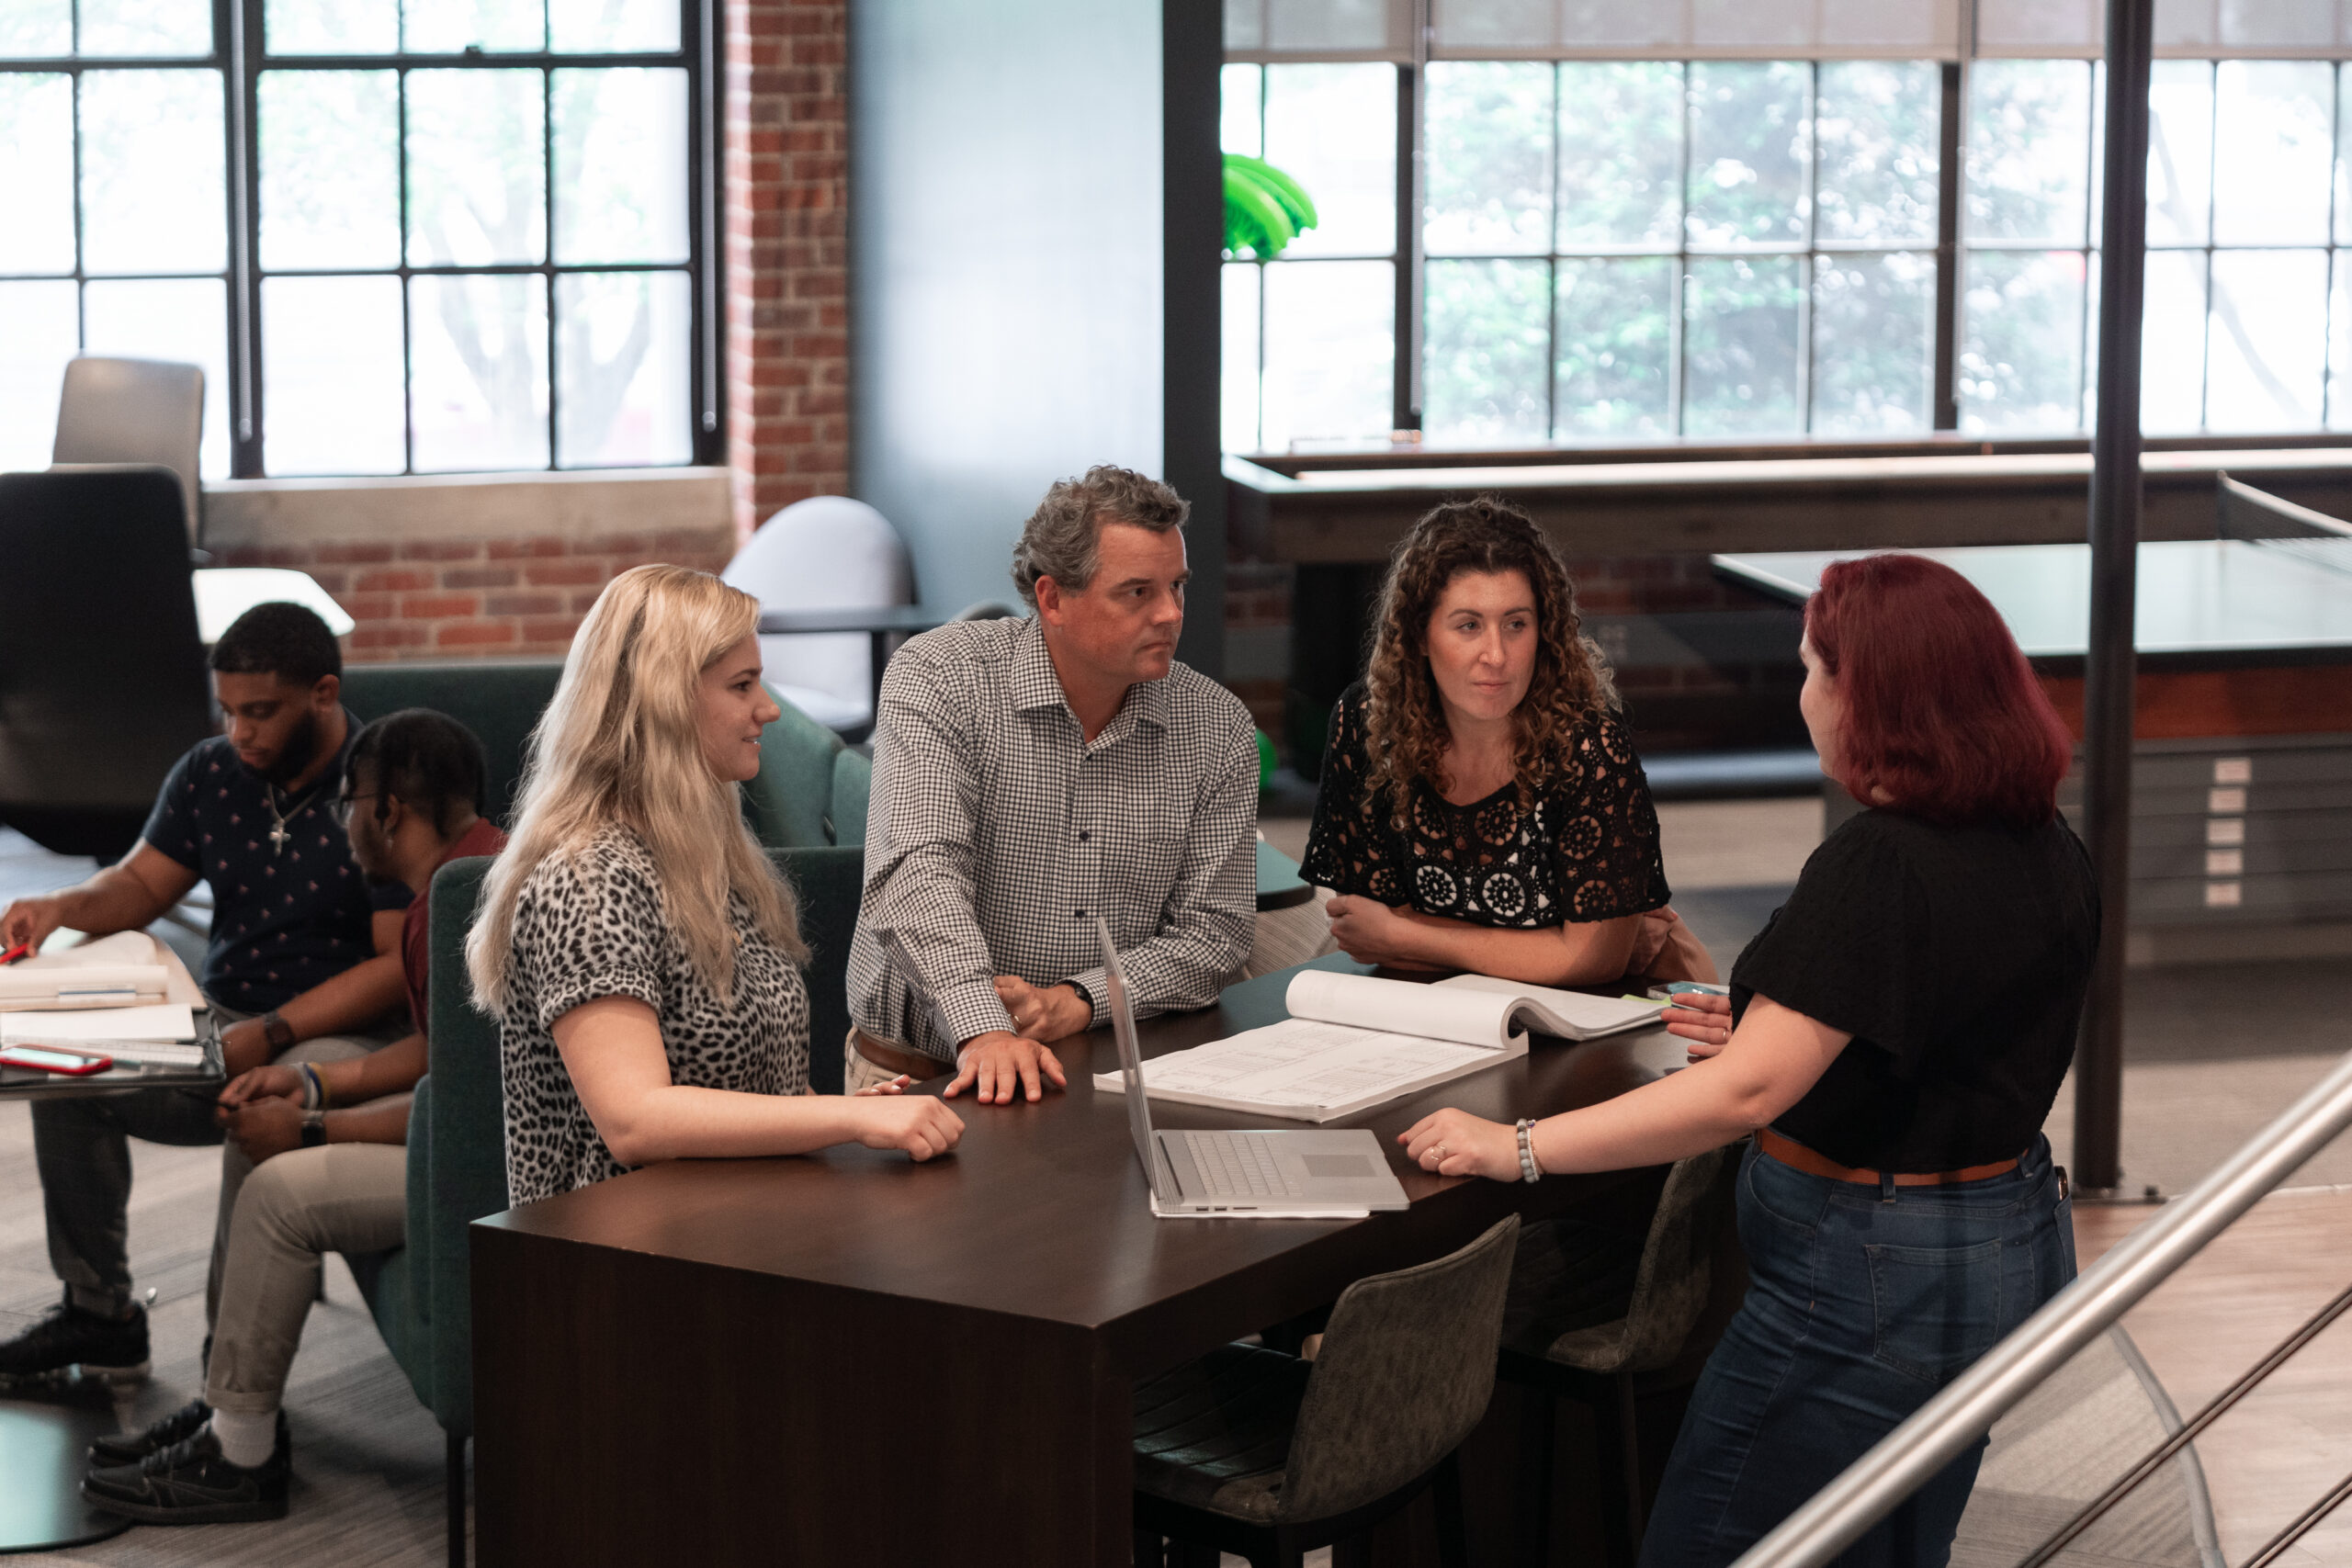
[{"x": 1123, "y": 1026}]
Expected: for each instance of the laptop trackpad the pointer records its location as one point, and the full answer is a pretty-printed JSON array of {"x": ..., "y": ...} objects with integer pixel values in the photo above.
[{"x": 1340, "y": 1166}]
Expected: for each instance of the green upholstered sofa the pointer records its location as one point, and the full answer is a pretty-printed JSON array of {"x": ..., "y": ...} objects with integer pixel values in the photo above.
[
  {"x": 811, "y": 789},
  {"x": 420, "y": 1292}
]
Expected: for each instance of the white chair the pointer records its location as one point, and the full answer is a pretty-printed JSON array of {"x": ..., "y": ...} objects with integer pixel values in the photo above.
[
  {"x": 134, "y": 411},
  {"x": 826, "y": 553}
]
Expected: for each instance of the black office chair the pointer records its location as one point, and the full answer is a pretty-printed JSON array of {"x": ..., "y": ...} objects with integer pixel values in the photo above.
[{"x": 102, "y": 678}]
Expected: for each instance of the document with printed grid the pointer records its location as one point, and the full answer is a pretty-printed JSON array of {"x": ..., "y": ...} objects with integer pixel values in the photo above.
[{"x": 1353, "y": 1043}]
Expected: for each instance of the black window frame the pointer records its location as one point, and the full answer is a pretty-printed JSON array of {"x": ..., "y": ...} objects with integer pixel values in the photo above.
[
  {"x": 1951, "y": 247},
  {"x": 239, "y": 57}
]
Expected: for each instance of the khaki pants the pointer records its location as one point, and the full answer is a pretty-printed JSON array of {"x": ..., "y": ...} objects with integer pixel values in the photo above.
[
  {"x": 857, "y": 1072},
  {"x": 295, "y": 1208}
]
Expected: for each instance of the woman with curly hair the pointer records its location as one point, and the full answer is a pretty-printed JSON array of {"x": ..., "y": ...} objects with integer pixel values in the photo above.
[
  {"x": 1892, "y": 1042},
  {"x": 1482, "y": 807}
]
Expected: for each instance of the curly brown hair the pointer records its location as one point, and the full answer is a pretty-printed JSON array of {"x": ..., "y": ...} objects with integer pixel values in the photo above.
[{"x": 1405, "y": 731}]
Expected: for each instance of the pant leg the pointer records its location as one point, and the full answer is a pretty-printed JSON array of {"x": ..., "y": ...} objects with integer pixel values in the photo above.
[
  {"x": 235, "y": 1167},
  {"x": 82, "y": 1149},
  {"x": 1858, "y": 1313},
  {"x": 338, "y": 1198}
]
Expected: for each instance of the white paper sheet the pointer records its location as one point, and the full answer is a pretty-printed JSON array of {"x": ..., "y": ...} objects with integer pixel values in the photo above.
[
  {"x": 161, "y": 1022},
  {"x": 1308, "y": 1070}
]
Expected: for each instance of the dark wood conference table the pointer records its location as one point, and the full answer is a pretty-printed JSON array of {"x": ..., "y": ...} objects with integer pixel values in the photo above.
[{"x": 849, "y": 1358}]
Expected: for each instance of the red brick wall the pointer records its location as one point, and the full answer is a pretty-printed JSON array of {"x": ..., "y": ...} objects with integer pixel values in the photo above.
[
  {"x": 787, "y": 201},
  {"x": 462, "y": 599}
]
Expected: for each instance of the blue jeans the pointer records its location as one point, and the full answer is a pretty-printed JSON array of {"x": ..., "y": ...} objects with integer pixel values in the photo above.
[{"x": 1859, "y": 1309}]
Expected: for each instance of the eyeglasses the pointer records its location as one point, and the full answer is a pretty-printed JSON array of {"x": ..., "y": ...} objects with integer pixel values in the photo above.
[{"x": 344, "y": 803}]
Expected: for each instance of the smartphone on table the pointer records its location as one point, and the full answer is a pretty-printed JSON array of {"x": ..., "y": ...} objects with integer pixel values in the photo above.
[{"x": 50, "y": 1059}]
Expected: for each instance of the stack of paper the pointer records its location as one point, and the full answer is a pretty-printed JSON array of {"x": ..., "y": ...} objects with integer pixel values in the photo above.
[
  {"x": 1353, "y": 1043},
  {"x": 126, "y": 995}
]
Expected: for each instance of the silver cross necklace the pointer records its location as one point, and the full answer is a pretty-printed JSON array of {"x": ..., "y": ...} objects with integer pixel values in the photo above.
[{"x": 281, "y": 835}]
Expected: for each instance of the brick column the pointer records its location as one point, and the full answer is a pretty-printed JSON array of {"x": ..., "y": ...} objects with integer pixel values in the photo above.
[{"x": 787, "y": 196}]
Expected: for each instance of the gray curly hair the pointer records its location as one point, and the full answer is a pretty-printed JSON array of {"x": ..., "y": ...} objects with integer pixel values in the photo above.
[{"x": 1063, "y": 538}]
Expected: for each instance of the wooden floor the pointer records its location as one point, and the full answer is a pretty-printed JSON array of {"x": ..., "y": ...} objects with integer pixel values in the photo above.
[{"x": 2291, "y": 1440}]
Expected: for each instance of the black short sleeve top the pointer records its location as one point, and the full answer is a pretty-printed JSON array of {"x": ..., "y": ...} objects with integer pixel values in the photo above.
[
  {"x": 1585, "y": 849},
  {"x": 1957, "y": 957}
]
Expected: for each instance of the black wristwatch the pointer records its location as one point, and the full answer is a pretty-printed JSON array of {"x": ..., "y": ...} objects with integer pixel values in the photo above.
[
  {"x": 277, "y": 1031},
  {"x": 1083, "y": 995},
  {"x": 314, "y": 1129}
]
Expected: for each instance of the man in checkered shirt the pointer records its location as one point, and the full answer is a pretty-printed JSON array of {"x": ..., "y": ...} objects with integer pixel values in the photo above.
[{"x": 1032, "y": 774}]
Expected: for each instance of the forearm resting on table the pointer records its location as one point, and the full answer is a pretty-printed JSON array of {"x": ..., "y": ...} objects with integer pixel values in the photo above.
[
  {"x": 1578, "y": 954},
  {"x": 1773, "y": 1058},
  {"x": 612, "y": 1048}
]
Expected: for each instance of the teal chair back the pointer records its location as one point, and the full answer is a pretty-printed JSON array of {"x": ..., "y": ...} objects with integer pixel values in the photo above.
[
  {"x": 810, "y": 790},
  {"x": 499, "y": 700},
  {"x": 830, "y": 881}
]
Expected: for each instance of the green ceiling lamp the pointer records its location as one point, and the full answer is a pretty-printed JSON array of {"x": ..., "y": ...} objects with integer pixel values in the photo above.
[{"x": 1265, "y": 209}]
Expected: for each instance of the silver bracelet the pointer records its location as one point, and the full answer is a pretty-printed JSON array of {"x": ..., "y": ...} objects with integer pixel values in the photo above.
[{"x": 1528, "y": 1169}]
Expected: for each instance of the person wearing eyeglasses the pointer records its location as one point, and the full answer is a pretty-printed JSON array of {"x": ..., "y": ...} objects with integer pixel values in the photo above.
[
  {"x": 316, "y": 1161},
  {"x": 303, "y": 964}
]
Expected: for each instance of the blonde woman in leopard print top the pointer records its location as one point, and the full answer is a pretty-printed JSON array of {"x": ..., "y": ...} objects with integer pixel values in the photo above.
[{"x": 637, "y": 946}]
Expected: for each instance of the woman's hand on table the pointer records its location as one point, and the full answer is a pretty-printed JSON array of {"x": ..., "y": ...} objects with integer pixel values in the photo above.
[
  {"x": 1454, "y": 1142},
  {"x": 1703, "y": 1018},
  {"x": 917, "y": 1123},
  {"x": 1371, "y": 932}
]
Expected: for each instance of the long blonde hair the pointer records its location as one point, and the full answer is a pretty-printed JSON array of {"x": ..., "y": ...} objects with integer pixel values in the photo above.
[{"x": 619, "y": 746}]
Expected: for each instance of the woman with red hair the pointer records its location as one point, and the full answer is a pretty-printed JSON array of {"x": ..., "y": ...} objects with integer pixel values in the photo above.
[{"x": 1893, "y": 1041}]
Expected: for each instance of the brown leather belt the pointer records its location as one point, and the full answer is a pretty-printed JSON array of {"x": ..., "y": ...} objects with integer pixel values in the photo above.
[
  {"x": 1798, "y": 1157},
  {"x": 898, "y": 1059}
]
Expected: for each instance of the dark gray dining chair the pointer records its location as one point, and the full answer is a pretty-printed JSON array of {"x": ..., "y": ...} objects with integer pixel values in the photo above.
[
  {"x": 1609, "y": 1367},
  {"x": 1256, "y": 1452}
]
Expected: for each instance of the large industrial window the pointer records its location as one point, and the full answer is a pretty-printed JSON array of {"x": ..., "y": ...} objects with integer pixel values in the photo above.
[
  {"x": 436, "y": 236},
  {"x": 1616, "y": 222}
]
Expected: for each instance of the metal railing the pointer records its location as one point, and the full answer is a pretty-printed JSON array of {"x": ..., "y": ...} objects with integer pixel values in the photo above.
[{"x": 1942, "y": 1429}]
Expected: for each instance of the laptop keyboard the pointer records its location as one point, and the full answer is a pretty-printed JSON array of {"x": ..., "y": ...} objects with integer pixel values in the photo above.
[{"x": 1238, "y": 1164}]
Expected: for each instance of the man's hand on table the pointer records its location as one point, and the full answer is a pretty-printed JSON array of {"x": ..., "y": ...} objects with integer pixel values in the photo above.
[
  {"x": 999, "y": 1064},
  {"x": 1454, "y": 1142},
  {"x": 29, "y": 921},
  {"x": 1045, "y": 1014}
]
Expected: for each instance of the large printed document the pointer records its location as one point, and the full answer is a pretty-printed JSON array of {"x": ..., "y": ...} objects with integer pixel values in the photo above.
[{"x": 1353, "y": 1043}]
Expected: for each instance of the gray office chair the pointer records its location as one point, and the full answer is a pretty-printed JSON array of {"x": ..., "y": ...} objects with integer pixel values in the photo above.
[
  {"x": 1252, "y": 1452},
  {"x": 1610, "y": 1366},
  {"x": 135, "y": 410},
  {"x": 102, "y": 678}
]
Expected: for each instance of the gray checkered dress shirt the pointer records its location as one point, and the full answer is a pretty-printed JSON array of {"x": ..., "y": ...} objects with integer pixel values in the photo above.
[{"x": 996, "y": 834}]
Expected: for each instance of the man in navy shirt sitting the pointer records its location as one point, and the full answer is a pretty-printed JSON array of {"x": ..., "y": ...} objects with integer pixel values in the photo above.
[{"x": 304, "y": 963}]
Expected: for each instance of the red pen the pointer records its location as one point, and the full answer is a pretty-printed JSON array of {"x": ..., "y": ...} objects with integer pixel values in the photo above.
[{"x": 22, "y": 950}]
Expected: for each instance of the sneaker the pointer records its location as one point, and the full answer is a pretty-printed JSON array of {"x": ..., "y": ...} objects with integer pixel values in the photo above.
[
  {"x": 192, "y": 1484},
  {"x": 108, "y": 1348},
  {"x": 129, "y": 1447}
]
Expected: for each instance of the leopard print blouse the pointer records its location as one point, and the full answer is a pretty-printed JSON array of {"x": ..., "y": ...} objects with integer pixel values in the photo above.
[{"x": 591, "y": 925}]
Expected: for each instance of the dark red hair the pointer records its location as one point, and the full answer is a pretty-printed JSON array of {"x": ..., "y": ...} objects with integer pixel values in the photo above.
[{"x": 1944, "y": 717}]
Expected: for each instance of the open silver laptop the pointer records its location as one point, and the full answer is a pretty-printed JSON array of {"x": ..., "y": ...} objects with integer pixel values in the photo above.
[{"x": 1250, "y": 1174}]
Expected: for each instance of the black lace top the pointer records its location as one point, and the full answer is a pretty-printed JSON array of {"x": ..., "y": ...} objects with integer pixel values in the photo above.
[{"x": 1586, "y": 849}]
